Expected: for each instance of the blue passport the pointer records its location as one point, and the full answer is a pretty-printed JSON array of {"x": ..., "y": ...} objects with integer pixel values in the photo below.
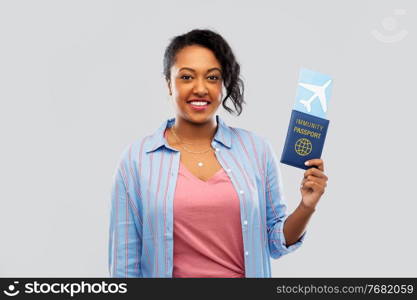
[
  {"x": 305, "y": 139},
  {"x": 308, "y": 124}
]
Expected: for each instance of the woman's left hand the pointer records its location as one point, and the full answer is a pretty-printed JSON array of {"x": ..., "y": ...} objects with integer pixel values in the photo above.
[{"x": 313, "y": 183}]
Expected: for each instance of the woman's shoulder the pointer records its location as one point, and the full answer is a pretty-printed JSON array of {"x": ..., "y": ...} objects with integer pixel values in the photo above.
[
  {"x": 254, "y": 143},
  {"x": 248, "y": 136},
  {"x": 132, "y": 149}
]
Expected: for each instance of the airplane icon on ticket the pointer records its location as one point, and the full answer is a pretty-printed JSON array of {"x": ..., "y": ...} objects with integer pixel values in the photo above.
[
  {"x": 319, "y": 92},
  {"x": 313, "y": 86}
]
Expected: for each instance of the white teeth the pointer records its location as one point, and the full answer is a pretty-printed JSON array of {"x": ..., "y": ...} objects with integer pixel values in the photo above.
[{"x": 198, "y": 103}]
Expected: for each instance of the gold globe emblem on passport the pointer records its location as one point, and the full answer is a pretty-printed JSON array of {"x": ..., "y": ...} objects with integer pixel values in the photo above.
[{"x": 303, "y": 147}]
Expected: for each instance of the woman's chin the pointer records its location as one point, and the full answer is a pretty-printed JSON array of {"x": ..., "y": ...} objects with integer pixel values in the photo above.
[{"x": 199, "y": 118}]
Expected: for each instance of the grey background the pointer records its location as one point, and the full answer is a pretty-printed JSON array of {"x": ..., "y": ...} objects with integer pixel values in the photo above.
[{"x": 80, "y": 80}]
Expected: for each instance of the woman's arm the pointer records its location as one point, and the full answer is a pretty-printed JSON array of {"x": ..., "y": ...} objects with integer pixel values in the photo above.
[
  {"x": 276, "y": 207},
  {"x": 312, "y": 188},
  {"x": 125, "y": 238},
  {"x": 296, "y": 223}
]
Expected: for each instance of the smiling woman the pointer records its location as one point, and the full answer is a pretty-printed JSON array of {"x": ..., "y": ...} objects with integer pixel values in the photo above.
[
  {"x": 199, "y": 198},
  {"x": 208, "y": 52},
  {"x": 196, "y": 84}
]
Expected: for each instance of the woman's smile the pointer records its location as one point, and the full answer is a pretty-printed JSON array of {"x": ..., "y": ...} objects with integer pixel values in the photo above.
[{"x": 199, "y": 104}]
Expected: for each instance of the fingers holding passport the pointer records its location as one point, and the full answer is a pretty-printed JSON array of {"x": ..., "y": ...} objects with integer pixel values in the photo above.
[
  {"x": 315, "y": 176},
  {"x": 316, "y": 162}
]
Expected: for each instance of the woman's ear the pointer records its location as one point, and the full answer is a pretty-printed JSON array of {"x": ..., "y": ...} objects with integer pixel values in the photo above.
[{"x": 169, "y": 86}]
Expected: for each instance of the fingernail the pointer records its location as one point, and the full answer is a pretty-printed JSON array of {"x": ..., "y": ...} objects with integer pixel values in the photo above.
[{"x": 306, "y": 163}]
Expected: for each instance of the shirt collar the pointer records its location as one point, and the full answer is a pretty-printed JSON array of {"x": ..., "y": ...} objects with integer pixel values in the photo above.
[{"x": 157, "y": 139}]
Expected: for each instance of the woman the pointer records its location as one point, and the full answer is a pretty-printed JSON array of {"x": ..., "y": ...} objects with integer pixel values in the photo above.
[{"x": 198, "y": 198}]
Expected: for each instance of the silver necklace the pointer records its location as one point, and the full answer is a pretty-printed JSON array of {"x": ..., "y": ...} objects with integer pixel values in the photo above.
[{"x": 200, "y": 163}]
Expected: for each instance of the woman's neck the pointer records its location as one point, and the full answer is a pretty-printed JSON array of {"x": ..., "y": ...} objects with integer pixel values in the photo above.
[{"x": 194, "y": 132}]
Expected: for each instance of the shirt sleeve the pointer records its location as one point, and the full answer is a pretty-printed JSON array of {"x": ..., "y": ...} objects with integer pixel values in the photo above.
[
  {"x": 125, "y": 240},
  {"x": 276, "y": 208}
]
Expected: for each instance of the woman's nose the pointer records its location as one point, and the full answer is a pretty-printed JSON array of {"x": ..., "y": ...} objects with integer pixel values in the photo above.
[{"x": 200, "y": 87}]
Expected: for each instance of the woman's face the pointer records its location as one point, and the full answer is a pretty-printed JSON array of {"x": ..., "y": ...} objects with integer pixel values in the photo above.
[{"x": 196, "y": 76}]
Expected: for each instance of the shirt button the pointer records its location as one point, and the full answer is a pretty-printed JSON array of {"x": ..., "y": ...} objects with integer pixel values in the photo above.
[
  {"x": 246, "y": 253},
  {"x": 217, "y": 149},
  {"x": 245, "y": 222},
  {"x": 241, "y": 191}
]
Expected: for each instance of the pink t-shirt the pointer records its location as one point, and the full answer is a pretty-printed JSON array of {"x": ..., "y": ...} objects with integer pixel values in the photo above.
[{"x": 207, "y": 229}]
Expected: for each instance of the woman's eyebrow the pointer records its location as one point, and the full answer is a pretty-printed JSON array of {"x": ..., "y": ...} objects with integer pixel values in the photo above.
[
  {"x": 208, "y": 71},
  {"x": 212, "y": 69}
]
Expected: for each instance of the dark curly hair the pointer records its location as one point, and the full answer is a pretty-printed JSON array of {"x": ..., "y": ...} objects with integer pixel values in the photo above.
[{"x": 230, "y": 68}]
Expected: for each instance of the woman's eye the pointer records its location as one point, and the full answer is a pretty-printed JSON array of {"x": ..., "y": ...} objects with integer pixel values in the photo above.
[
  {"x": 213, "y": 77},
  {"x": 186, "y": 77}
]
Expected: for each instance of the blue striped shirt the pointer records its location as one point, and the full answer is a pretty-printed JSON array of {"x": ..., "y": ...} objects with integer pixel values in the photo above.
[{"x": 141, "y": 216}]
